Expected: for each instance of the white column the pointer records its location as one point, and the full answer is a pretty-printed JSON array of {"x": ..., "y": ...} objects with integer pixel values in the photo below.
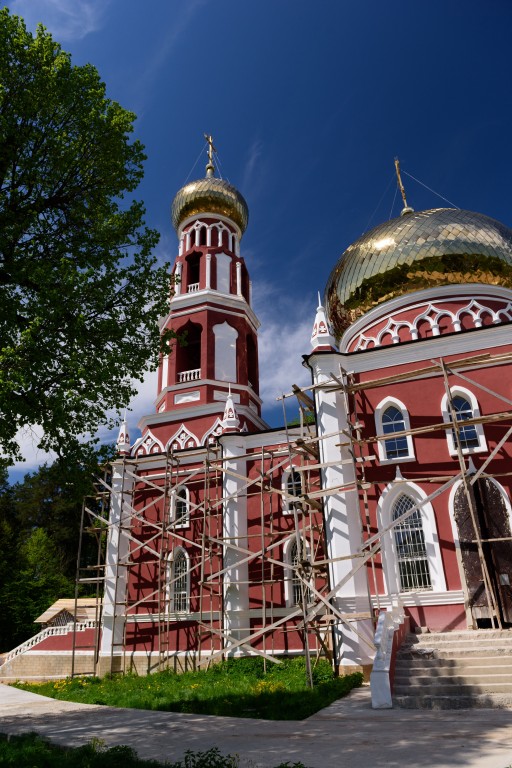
[
  {"x": 165, "y": 371},
  {"x": 239, "y": 278},
  {"x": 237, "y": 246},
  {"x": 208, "y": 236},
  {"x": 116, "y": 573},
  {"x": 208, "y": 269},
  {"x": 180, "y": 250},
  {"x": 342, "y": 519},
  {"x": 177, "y": 285},
  {"x": 236, "y": 588}
]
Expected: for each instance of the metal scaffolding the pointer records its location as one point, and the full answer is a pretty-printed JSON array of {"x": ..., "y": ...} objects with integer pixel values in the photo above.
[{"x": 148, "y": 487}]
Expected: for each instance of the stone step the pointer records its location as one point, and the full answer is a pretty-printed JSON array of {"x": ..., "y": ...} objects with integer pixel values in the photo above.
[
  {"x": 490, "y": 634},
  {"x": 476, "y": 701},
  {"x": 438, "y": 642},
  {"x": 450, "y": 679},
  {"x": 467, "y": 664},
  {"x": 451, "y": 689},
  {"x": 453, "y": 652}
]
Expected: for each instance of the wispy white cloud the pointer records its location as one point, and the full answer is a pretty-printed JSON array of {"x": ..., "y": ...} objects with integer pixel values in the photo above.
[
  {"x": 66, "y": 19},
  {"x": 164, "y": 48},
  {"x": 283, "y": 338},
  {"x": 251, "y": 164}
]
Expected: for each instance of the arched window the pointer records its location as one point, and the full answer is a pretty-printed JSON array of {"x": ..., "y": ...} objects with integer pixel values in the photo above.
[
  {"x": 467, "y": 435},
  {"x": 292, "y": 486},
  {"x": 411, "y": 551},
  {"x": 397, "y": 498},
  {"x": 471, "y": 437},
  {"x": 391, "y": 416},
  {"x": 180, "y": 506},
  {"x": 293, "y": 581},
  {"x": 179, "y": 582},
  {"x": 393, "y": 421}
]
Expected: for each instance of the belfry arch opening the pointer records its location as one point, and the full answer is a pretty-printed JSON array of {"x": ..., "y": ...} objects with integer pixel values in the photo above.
[{"x": 188, "y": 353}]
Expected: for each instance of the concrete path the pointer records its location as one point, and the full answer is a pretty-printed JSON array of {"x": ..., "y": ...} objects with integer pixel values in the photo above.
[{"x": 348, "y": 734}]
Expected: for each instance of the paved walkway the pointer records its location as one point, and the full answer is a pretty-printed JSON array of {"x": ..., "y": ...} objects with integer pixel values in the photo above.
[{"x": 348, "y": 734}]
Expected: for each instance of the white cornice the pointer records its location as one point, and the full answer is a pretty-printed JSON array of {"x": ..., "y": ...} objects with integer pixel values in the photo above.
[
  {"x": 189, "y": 303},
  {"x": 177, "y": 416},
  {"x": 212, "y": 382}
]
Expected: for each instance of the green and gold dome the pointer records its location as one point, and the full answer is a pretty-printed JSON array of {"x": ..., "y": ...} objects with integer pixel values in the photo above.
[
  {"x": 210, "y": 195},
  {"x": 422, "y": 249}
]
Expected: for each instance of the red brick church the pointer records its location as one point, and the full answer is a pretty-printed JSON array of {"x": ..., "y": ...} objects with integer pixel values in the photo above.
[{"x": 391, "y": 494}]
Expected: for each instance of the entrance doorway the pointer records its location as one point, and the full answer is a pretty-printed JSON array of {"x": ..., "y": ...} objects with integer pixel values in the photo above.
[{"x": 493, "y": 522}]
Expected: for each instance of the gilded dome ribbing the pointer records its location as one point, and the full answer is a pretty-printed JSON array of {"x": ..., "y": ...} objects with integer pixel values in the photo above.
[
  {"x": 421, "y": 249},
  {"x": 210, "y": 195}
]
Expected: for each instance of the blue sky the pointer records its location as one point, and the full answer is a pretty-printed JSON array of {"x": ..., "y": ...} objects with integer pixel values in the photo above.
[{"x": 308, "y": 104}]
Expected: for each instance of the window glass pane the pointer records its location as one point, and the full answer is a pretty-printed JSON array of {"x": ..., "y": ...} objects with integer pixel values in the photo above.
[
  {"x": 179, "y": 591},
  {"x": 468, "y": 435},
  {"x": 181, "y": 507},
  {"x": 393, "y": 421},
  {"x": 411, "y": 552}
]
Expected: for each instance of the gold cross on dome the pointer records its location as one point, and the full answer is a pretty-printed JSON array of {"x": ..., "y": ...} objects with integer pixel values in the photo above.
[{"x": 211, "y": 148}]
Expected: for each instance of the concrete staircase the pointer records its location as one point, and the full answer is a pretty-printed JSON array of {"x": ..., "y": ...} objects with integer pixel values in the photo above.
[{"x": 454, "y": 670}]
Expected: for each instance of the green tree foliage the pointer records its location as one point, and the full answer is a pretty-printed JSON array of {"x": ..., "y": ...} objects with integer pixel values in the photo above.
[
  {"x": 39, "y": 535},
  {"x": 80, "y": 293}
]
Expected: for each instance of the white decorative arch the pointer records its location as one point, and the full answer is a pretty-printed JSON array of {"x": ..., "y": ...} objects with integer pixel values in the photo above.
[
  {"x": 182, "y": 438},
  {"x": 225, "y": 351},
  {"x": 384, "y": 519},
  {"x": 147, "y": 444},
  {"x": 467, "y": 395},
  {"x": 213, "y": 432},
  {"x": 381, "y": 444}
]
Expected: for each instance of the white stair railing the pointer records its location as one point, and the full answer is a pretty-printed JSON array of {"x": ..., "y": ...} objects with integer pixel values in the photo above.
[
  {"x": 45, "y": 633},
  {"x": 380, "y": 685}
]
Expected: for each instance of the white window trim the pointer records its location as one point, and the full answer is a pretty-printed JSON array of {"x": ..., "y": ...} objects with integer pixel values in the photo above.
[
  {"x": 171, "y": 585},
  {"x": 467, "y": 395},
  {"x": 381, "y": 444},
  {"x": 390, "y": 561},
  {"x": 174, "y": 496},
  {"x": 286, "y": 506}
]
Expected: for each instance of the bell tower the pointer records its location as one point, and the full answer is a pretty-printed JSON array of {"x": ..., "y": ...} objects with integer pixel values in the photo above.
[{"x": 210, "y": 311}]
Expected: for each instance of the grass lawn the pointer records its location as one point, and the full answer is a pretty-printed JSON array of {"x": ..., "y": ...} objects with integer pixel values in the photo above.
[
  {"x": 235, "y": 688},
  {"x": 30, "y": 750}
]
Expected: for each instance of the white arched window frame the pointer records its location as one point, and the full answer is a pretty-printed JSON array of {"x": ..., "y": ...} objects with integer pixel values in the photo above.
[
  {"x": 180, "y": 506},
  {"x": 291, "y": 483},
  {"x": 386, "y": 452},
  {"x": 390, "y": 565},
  {"x": 292, "y": 582},
  {"x": 179, "y": 581},
  {"x": 476, "y": 431}
]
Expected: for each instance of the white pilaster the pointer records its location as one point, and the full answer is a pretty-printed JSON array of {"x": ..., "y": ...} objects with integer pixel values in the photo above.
[
  {"x": 238, "y": 278},
  {"x": 342, "y": 519},
  {"x": 177, "y": 285},
  {"x": 118, "y": 549},
  {"x": 236, "y": 577},
  {"x": 208, "y": 270}
]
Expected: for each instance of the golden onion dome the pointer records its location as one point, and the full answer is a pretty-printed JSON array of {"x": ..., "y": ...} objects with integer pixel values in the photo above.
[
  {"x": 210, "y": 195},
  {"x": 422, "y": 249}
]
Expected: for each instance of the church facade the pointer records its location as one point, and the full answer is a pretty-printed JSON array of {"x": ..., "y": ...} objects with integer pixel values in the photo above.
[{"x": 226, "y": 537}]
